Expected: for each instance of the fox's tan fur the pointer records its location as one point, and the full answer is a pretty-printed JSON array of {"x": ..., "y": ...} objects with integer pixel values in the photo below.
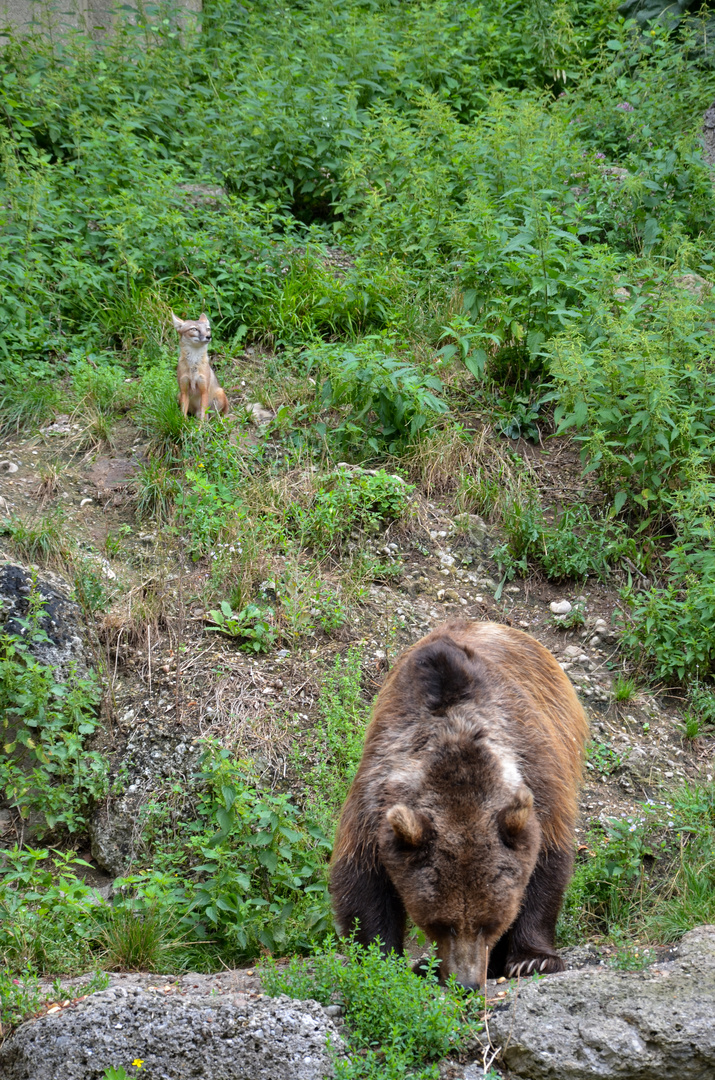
[{"x": 198, "y": 386}]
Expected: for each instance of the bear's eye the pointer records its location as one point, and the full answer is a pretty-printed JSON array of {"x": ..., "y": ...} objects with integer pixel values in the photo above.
[{"x": 442, "y": 930}]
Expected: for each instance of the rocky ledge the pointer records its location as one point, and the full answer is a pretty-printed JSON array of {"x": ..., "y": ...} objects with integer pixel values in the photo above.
[
  {"x": 230, "y": 1037},
  {"x": 599, "y": 1023}
]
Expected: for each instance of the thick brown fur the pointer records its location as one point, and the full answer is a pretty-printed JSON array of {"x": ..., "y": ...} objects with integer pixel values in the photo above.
[
  {"x": 199, "y": 389},
  {"x": 462, "y": 811}
]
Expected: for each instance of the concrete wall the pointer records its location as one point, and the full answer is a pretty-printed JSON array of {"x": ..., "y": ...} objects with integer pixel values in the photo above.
[{"x": 52, "y": 17}]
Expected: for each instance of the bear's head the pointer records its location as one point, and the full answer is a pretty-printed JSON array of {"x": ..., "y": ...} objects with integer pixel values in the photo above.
[{"x": 459, "y": 837}]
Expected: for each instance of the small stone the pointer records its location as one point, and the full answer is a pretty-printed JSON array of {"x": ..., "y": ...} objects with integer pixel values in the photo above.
[
  {"x": 8, "y": 467},
  {"x": 260, "y": 415},
  {"x": 560, "y": 607}
]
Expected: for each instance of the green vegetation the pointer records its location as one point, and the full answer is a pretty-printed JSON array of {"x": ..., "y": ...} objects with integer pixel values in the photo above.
[
  {"x": 397, "y": 1022},
  {"x": 647, "y": 877},
  {"x": 425, "y": 234},
  {"x": 46, "y": 768},
  {"x": 335, "y": 744}
]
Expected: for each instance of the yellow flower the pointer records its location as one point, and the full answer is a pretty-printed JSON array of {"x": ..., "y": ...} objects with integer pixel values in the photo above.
[{"x": 138, "y": 1062}]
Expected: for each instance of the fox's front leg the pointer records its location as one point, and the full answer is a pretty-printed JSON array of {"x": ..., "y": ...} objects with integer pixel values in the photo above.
[
  {"x": 184, "y": 401},
  {"x": 204, "y": 404}
]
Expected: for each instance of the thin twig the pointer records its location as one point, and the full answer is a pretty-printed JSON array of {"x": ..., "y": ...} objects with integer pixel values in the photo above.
[
  {"x": 179, "y": 636},
  {"x": 116, "y": 656}
]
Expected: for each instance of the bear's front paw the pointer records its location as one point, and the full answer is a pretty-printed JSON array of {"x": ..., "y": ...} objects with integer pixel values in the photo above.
[{"x": 523, "y": 964}]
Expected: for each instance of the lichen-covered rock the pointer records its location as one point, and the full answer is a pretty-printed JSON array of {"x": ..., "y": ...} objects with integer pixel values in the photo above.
[
  {"x": 600, "y": 1023},
  {"x": 177, "y": 1037},
  {"x": 152, "y": 753},
  {"x": 62, "y": 619}
]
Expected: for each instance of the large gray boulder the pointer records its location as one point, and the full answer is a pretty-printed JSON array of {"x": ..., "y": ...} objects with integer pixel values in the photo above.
[
  {"x": 600, "y": 1023},
  {"x": 177, "y": 1037}
]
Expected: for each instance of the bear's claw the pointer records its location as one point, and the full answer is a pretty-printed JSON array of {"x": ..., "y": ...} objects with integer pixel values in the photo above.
[{"x": 544, "y": 965}]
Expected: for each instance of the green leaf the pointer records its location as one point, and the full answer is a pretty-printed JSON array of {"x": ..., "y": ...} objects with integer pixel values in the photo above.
[
  {"x": 269, "y": 859},
  {"x": 475, "y": 362},
  {"x": 225, "y": 819}
]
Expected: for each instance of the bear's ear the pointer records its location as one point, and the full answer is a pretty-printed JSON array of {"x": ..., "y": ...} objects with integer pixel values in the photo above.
[
  {"x": 444, "y": 674},
  {"x": 407, "y": 826},
  {"x": 513, "y": 819},
  {"x": 178, "y": 323}
]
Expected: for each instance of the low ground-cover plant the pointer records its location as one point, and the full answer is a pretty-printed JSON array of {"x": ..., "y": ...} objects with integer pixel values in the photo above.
[
  {"x": 334, "y": 744},
  {"x": 252, "y": 625},
  {"x": 22, "y": 995},
  {"x": 398, "y": 1024},
  {"x": 348, "y": 500}
]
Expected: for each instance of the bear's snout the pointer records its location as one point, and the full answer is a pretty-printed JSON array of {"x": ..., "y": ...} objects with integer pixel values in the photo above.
[{"x": 465, "y": 957}]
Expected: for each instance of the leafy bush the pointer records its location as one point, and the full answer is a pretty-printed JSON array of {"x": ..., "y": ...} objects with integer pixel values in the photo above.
[
  {"x": 640, "y": 395},
  {"x": 385, "y": 402},
  {"x": 397, "y": 1022},
  {"x": 46, "y": 721},
  {"x": 248, "y": 871},
  {"x": 47, "y": 913},
  {"x": 578, "y": 544},
  {"x": 670, "y": 631},
  {"x": 648, "y": 875}
]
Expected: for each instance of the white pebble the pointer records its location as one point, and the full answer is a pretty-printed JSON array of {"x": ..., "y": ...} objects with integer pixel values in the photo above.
[{"x": 560, "y": 607}]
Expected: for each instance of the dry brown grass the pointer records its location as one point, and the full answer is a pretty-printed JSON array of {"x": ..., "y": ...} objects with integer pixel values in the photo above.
[
  {"x": 476, "y": 468},
  {"x": 439, "y": 459}
]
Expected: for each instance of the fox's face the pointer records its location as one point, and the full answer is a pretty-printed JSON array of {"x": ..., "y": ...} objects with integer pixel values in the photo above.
[{"x": 194, "y": 333}]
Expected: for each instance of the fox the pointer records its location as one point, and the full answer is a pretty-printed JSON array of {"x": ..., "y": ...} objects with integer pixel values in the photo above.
[{"x": 198, "y": 386}]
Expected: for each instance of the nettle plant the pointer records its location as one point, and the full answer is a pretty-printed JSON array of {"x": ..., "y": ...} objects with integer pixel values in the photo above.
[
  {"x": 382, "y": 401},
  {"x": 246, "y": 872}
]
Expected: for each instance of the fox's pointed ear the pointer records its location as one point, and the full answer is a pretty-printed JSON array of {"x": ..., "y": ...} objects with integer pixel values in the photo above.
[
  {"x": 203, "y": 317},
  {"x": 178, "y": 323}
]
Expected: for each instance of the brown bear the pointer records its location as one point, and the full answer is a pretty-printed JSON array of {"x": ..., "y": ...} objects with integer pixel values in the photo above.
[{"x": 462, "y": 811}]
